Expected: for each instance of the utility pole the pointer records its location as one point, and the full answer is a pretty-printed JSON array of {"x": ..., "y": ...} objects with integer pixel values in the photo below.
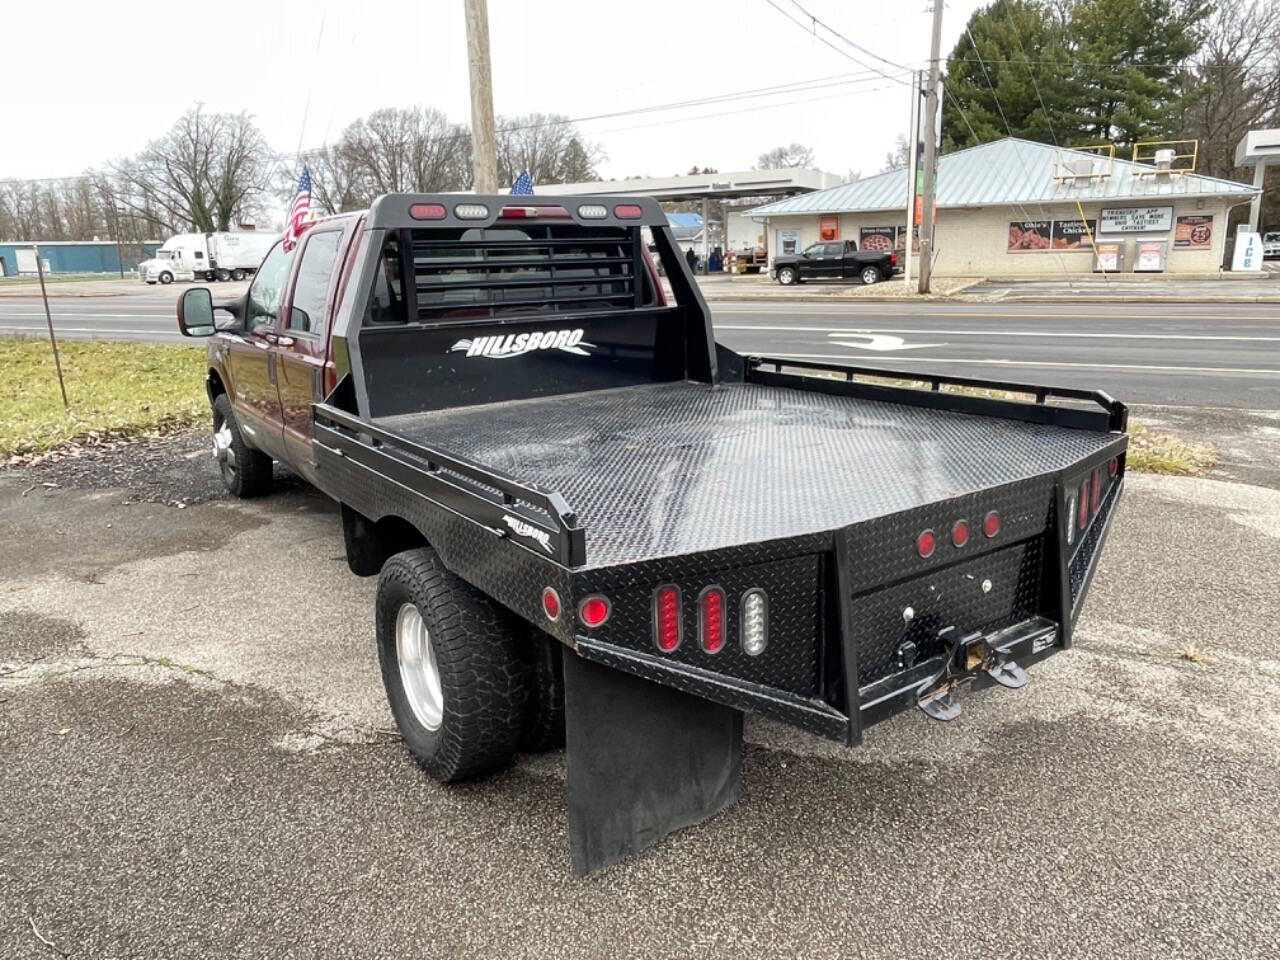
[
  {"x": 484, "y": 154},
  {"x": 930, "y": 152}
]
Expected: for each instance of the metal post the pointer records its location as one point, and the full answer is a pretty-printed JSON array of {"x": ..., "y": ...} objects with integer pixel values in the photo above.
[
  {"x": 913, "y": 144},
  {"x": 930, "y": 152},
  {"x": 1255, "y": 208},
  {"x": 119, "y": 255},
  {"x": 53, "y": 341},
  {"x": 706, "y": 238},
  {"x": 484, "y": 154}
]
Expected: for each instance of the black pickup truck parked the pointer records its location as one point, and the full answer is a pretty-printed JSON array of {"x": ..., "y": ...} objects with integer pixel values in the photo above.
[
  {"x": 839, "y": 260},
  {"x": 592, "y": 522}
]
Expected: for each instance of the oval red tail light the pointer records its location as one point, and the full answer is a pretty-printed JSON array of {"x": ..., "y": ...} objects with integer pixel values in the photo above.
[
  {"x": 667, "y": 626},
  {"x": 1095, "y": 499},
  {"x": 593, "y": 611},
  {"x": 960, "y": 533},
  {"x": 1113, "y": 466},
  {"x": 1082, "y": 512},
  {"x": 925, "y": 544},
  {"x": 991, "y": 524},
  {"x": 427, "y": 211},
  {"x": 711, "y": 620}
]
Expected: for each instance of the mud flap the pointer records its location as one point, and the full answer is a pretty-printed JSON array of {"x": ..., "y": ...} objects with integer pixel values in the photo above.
[{"x": 643, "y": 761}]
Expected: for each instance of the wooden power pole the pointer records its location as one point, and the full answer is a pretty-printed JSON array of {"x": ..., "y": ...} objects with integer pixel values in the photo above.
[
  {"x": 930, "y": 153},
  {"x": 484, "y": 154}
]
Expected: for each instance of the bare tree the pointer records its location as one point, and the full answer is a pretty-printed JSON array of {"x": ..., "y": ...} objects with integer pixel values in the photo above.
[
  {"x": 209, "y": 171},
  {"x": 796, "y": 155},
  {"x": 548, "y": 146},
  {"x": 898, "y": 157},
  {"x": 393, "y": 149},
  {"x": 1234, "y": 85}
]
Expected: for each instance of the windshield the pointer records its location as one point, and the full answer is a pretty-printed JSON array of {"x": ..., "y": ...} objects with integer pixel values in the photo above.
[
  {"x": 163, "y": 254},
  {"x": 1271, "y": 237}
]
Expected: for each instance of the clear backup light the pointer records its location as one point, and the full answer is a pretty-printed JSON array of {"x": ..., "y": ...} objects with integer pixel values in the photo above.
[
  {"x": 755, "y": 622},
  {"x": 471, "y": 211},
  {"x": 593, "y": 211}
]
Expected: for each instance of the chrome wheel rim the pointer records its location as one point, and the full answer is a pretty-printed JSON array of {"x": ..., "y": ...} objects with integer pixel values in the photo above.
[
  {"x": 419, "y": 674},
  {"x": 224, "y": 452},
  {"x": 870, "y": 276},
  {"x": 785, "y": 277}
]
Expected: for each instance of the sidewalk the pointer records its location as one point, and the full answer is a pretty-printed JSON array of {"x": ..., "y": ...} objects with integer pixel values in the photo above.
[{"x": 1125, "y": 288}]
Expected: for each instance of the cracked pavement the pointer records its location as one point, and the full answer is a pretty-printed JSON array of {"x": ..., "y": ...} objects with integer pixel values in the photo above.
[{"x": 198, "y": 761}]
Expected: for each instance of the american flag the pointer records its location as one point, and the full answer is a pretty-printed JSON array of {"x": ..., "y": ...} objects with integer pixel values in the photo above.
[
  {"x": 300, "y": 212},
  {"x": 523, "y": 187}
]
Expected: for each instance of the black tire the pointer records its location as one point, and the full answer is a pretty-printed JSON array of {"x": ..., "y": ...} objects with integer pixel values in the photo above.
[
  {"x": 166, "y": 277},
  {"x": 871, "y": 275},
  {"x": 247, "y": 472},
  {"x": 224, "y": 275},
  {"x": 237, "y": 275},
  {"x": 787, "y": 276},
  {"x": 482, "y": 677},
  {"x": 543, "y": 727}
]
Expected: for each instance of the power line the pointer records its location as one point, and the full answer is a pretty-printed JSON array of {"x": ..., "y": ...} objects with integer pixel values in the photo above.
[{"x": 843, "y": 53}]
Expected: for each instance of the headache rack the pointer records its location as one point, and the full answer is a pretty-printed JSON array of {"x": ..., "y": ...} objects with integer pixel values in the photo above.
[{"x": 526, "y": 269}]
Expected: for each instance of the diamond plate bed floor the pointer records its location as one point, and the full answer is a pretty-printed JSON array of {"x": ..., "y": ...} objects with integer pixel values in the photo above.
[{"x": 674, "y": 468}]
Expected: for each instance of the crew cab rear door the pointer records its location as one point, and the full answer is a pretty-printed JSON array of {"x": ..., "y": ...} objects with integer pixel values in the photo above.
[{"x": 303, "y": 334}]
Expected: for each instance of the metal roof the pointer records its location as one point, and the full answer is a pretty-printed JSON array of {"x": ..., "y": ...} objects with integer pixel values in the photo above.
[
  {"x": 679, "y": 219},
  {"x": 1008, "y": 171},
  {"x": 733, "y": 183}
]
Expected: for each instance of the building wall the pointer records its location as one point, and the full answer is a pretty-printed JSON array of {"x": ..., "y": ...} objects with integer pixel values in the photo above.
[
  {"x": 86, "y": 257},
  {"x": 974, "y": 241}
]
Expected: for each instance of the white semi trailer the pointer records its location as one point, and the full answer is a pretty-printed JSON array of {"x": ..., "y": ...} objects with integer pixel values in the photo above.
[{"x": 207, "y": 256}]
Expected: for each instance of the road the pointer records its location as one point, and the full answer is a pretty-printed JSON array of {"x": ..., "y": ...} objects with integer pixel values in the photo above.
[{"x": 1200, "y": 354}]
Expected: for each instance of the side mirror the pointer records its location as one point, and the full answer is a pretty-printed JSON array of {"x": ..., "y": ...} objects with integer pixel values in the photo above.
[{"x": 195, "y": 313}]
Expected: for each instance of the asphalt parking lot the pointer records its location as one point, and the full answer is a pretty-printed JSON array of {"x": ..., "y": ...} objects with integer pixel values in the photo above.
[{"x": 198, "y": 762}]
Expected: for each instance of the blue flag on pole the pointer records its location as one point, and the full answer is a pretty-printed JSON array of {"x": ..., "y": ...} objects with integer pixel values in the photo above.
[{"x": 523, "y": 187}]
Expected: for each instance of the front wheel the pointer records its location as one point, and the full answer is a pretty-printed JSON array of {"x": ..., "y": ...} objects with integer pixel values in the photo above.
[
  {"x": 451, "y": 666},
  {"x": 870, "y": 275},
  {"x": 166, "y": 277},
  {"x": 246, "y": 472},
  {"x": 787, "y": 276}
]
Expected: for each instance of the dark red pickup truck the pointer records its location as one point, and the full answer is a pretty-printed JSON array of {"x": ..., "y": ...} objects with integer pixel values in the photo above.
[{"x": 592, "y": 523}]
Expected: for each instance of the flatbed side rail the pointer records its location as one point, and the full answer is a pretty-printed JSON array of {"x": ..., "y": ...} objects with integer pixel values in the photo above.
[
  {"x": 1113, "y": 415},
  {"x": 505, "y": 513}
]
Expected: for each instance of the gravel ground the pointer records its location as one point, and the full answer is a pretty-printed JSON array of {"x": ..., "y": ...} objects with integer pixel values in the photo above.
[{"x": 197, "y": 763}]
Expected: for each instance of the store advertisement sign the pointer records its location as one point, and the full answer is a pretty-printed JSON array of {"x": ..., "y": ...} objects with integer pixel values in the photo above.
[
  {"x": 1193, "y": 233},
  {"x": 1030, "y": 236},
  {"x": 788, "y": 242},
  {"x": 1074, "y": 234},
  {"x": 877, "y": 238},
  {"x": 1108, "y": 258},
  {"x": 1136, "y": 219},
  {"x": 900, "y": 242},
  {"x": 829, "y": 228},
  {"x": 1150, "y": 256},
  {"x": 1248, "y": 252}
]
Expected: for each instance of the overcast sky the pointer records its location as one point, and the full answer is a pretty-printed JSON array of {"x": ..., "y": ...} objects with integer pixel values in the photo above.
[{"x": 89, "y": 81}]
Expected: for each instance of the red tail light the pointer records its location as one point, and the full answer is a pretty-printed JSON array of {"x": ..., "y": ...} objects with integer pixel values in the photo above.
[
  {"x": 551, "y": 603},
  {"x": 1113, "y": 466},
  {"x": 593, "y": 611},
  {"x": 1082, "y": 511},
  {"x": 667, "y": 624},
  {"x": 925, "y": 544},
  {"x": 627, "y": 211},
  {"x": 991, "y": 524},
  {"x": 427, "y": 211},
  {"x": 893, "y": 259},
  {"x": 711, "y": 620},
  {"x": 960, "y": 533},
  {"x": 1096, "y": 496}
]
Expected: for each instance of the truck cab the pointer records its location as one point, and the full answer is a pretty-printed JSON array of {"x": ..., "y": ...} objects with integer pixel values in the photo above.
[{"x": 184, "y": 256}]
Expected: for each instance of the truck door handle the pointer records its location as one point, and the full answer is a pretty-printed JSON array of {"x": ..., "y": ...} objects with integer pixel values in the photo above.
[{"x": 278, "y": 340}]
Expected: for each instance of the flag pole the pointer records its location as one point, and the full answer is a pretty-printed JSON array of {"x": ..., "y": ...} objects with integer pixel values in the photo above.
[{"x": 53, "y": 341}]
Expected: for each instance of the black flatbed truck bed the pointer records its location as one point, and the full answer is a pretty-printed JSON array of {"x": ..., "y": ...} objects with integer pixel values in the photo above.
[{"x": 542, "y": 419}]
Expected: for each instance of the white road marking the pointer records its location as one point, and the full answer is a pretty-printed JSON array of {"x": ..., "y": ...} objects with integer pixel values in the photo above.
[
  {"x": 1133, "y": 311},
  {"x": 1034, "y": 363},
  {"x": 59, "y": 328},
  {"x": 873, "y": 331},
  {"x": 882, "y": 343}
]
